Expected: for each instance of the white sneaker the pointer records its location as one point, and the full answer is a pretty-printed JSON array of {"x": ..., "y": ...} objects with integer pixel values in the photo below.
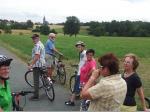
[{"x": 49, "y": 80}]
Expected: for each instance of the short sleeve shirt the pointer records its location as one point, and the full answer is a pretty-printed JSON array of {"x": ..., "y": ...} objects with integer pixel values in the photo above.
[
  {"x": 133, "y": 82},
  {"x": 82, "y": 60},
  {"x": 39, "y": 49},
  {"x": 108, "y": 94},
  {"x": 49, "y": 46},
  {"x": 85, "y": 69},
  {"x": 5, "y": 97}
]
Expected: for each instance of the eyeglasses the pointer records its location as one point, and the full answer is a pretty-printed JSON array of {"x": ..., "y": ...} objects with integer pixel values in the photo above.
[{"x": 127, "y": 62}]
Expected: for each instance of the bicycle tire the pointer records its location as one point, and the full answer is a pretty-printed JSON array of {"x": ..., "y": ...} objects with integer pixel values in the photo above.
[
  {"x": 50, "y": 92},
  {"x": 62, "y": 75},
  {"x": 72, "y": 82},
  {"x": 29, "y": 79}
]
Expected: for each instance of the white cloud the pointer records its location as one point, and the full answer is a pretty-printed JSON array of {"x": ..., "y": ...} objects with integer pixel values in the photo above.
[{"x": 85, "y": 10}]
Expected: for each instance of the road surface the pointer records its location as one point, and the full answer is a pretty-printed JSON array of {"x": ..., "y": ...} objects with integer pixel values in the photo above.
[{"x": 17, "y": 83}]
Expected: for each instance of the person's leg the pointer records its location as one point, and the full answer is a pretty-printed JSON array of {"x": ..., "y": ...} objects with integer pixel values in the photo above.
[
  {"x": 36, "y": 73},
  {"x": 36, "y": 83},
  {"x": 49, "y": 72},
  {"x": 49, "y": 64},
  {"x": 75, "y": 91}
]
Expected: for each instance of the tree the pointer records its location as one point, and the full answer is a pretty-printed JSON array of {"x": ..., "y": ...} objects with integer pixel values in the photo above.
[
  {"x": 7, "y": 29},
  {"x": 53, "y": 31},
  {"x": 71, "y": 26},
  {"x": 44, "y": 29},
  {"x": 29, "y": 24},
  {"x": 37, "y": 29}
]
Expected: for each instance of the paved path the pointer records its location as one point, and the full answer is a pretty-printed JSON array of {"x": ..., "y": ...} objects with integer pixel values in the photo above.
[{"x": 18, "y": 68}]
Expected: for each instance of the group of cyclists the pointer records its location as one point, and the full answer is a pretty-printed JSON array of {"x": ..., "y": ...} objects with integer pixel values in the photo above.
[{"x": 103, "y": 86}]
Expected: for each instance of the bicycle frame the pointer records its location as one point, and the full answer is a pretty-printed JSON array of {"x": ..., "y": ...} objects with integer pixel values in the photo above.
[
  {"x": 43, "y": 76},
  {"x": 59, "y": 68}
]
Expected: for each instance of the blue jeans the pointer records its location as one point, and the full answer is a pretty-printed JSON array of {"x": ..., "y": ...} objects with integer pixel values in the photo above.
[{"x": 76, "y": 85}]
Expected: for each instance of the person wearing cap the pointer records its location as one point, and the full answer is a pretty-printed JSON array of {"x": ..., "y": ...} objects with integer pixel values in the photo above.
[
  {"x": 50, "y": 51},
  {"x": 5, "y": 93},
  {"x": 38, "y": 60},
  {"x": 82, "y": 59}
]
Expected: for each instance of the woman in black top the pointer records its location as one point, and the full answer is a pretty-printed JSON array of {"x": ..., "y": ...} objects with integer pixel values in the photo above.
[{"x": 133, "y": 84}]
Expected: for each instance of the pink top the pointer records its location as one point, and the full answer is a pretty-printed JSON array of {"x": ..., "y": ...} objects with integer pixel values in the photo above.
[{"x": 85, "y": 69}]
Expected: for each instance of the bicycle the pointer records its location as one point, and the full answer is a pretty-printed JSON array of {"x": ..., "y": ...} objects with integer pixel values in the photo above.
[
  {"x": 16, "y": 100},
  {"x": 44, "y": 82},
  {"x": 73, "y": 79},
  {"x": 59, "y": 68}
]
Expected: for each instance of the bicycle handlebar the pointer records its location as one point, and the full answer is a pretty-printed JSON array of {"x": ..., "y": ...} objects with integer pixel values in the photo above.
[
  {"x": 60, "y": 56},
  {"x": 74, "y": 65},
  {"x": 22, "y": 93}
]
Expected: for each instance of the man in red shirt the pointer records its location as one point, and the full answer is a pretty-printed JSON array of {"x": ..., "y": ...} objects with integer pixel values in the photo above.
[{"x": 85, "y": 73}]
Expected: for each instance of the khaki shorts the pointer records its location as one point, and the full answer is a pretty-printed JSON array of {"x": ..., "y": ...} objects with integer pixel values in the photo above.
[
  {"x": 124, "y": 108},
  {"x": 49, "y": 60}
]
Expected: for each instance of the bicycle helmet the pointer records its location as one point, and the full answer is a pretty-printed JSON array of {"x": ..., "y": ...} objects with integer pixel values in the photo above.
[
  {"x": 80, "y": 43},
  {"x": 5, "y": 60}
]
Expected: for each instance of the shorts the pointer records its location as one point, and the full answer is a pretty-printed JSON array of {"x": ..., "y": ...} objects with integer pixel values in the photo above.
[
  {"x": 77, "y": 85},
  {"x": 49, "y": 60}
]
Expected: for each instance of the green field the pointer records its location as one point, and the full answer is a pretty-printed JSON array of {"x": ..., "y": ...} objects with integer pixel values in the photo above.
[
  {"x": 117, "y": 45},
  {"x": 22, "y": 45}
]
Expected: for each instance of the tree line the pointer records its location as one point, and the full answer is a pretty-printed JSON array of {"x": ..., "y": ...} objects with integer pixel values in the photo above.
[
  {"x": 116, "y": 28},
  {"x": 16, "y": 25},
  {"x": 72, "y": 27}
]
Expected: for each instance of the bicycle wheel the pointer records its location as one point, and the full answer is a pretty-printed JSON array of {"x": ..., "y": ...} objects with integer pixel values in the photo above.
[
  {"x": 49, "y": 89},
  {"x": 62, "y": 75},
  {"x": 29, "y": 79},
  {"x": 72, "y": 82}
]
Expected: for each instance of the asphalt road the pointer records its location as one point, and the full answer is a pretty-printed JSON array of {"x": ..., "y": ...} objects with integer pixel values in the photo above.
[{"x": 17, "y": 83}]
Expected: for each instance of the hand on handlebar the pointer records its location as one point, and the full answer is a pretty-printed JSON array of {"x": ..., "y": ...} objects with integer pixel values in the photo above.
[
  {"x": 61, "y": 54},
  {"x": 30, "y": 67}
]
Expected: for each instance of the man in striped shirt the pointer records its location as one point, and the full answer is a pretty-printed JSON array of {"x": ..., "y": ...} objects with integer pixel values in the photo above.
[{"x": 38, "y": 60}]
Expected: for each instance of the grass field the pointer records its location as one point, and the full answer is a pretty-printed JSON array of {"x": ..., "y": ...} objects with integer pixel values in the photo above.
[
  {"x": 117, "y": 45},
  {"x": 22, "y": 45}
]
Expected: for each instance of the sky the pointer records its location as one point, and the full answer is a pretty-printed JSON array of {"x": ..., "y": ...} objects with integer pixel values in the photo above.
[{"x": 56, "y": 11}]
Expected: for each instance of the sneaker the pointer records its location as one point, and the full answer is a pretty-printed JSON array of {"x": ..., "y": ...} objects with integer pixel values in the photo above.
[
  {"x": 69, "y": 103},
  {"x": 50, "y": 80},
  {"x": 34, "y": 98}
]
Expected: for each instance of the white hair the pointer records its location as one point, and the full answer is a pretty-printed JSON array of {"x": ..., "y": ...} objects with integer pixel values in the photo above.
[{"x": 52, "y": 35}]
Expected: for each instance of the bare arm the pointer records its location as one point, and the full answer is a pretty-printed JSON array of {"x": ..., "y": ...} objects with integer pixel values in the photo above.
[
  {"x": 89, "y": 74},
  {"x": 141, "y": 95},
  {"x": 36, "y": 57},
  {"x": 1, "y": 109},
  {"x": 55, "y": 50},
  {"x": 91, "y": 82}
]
